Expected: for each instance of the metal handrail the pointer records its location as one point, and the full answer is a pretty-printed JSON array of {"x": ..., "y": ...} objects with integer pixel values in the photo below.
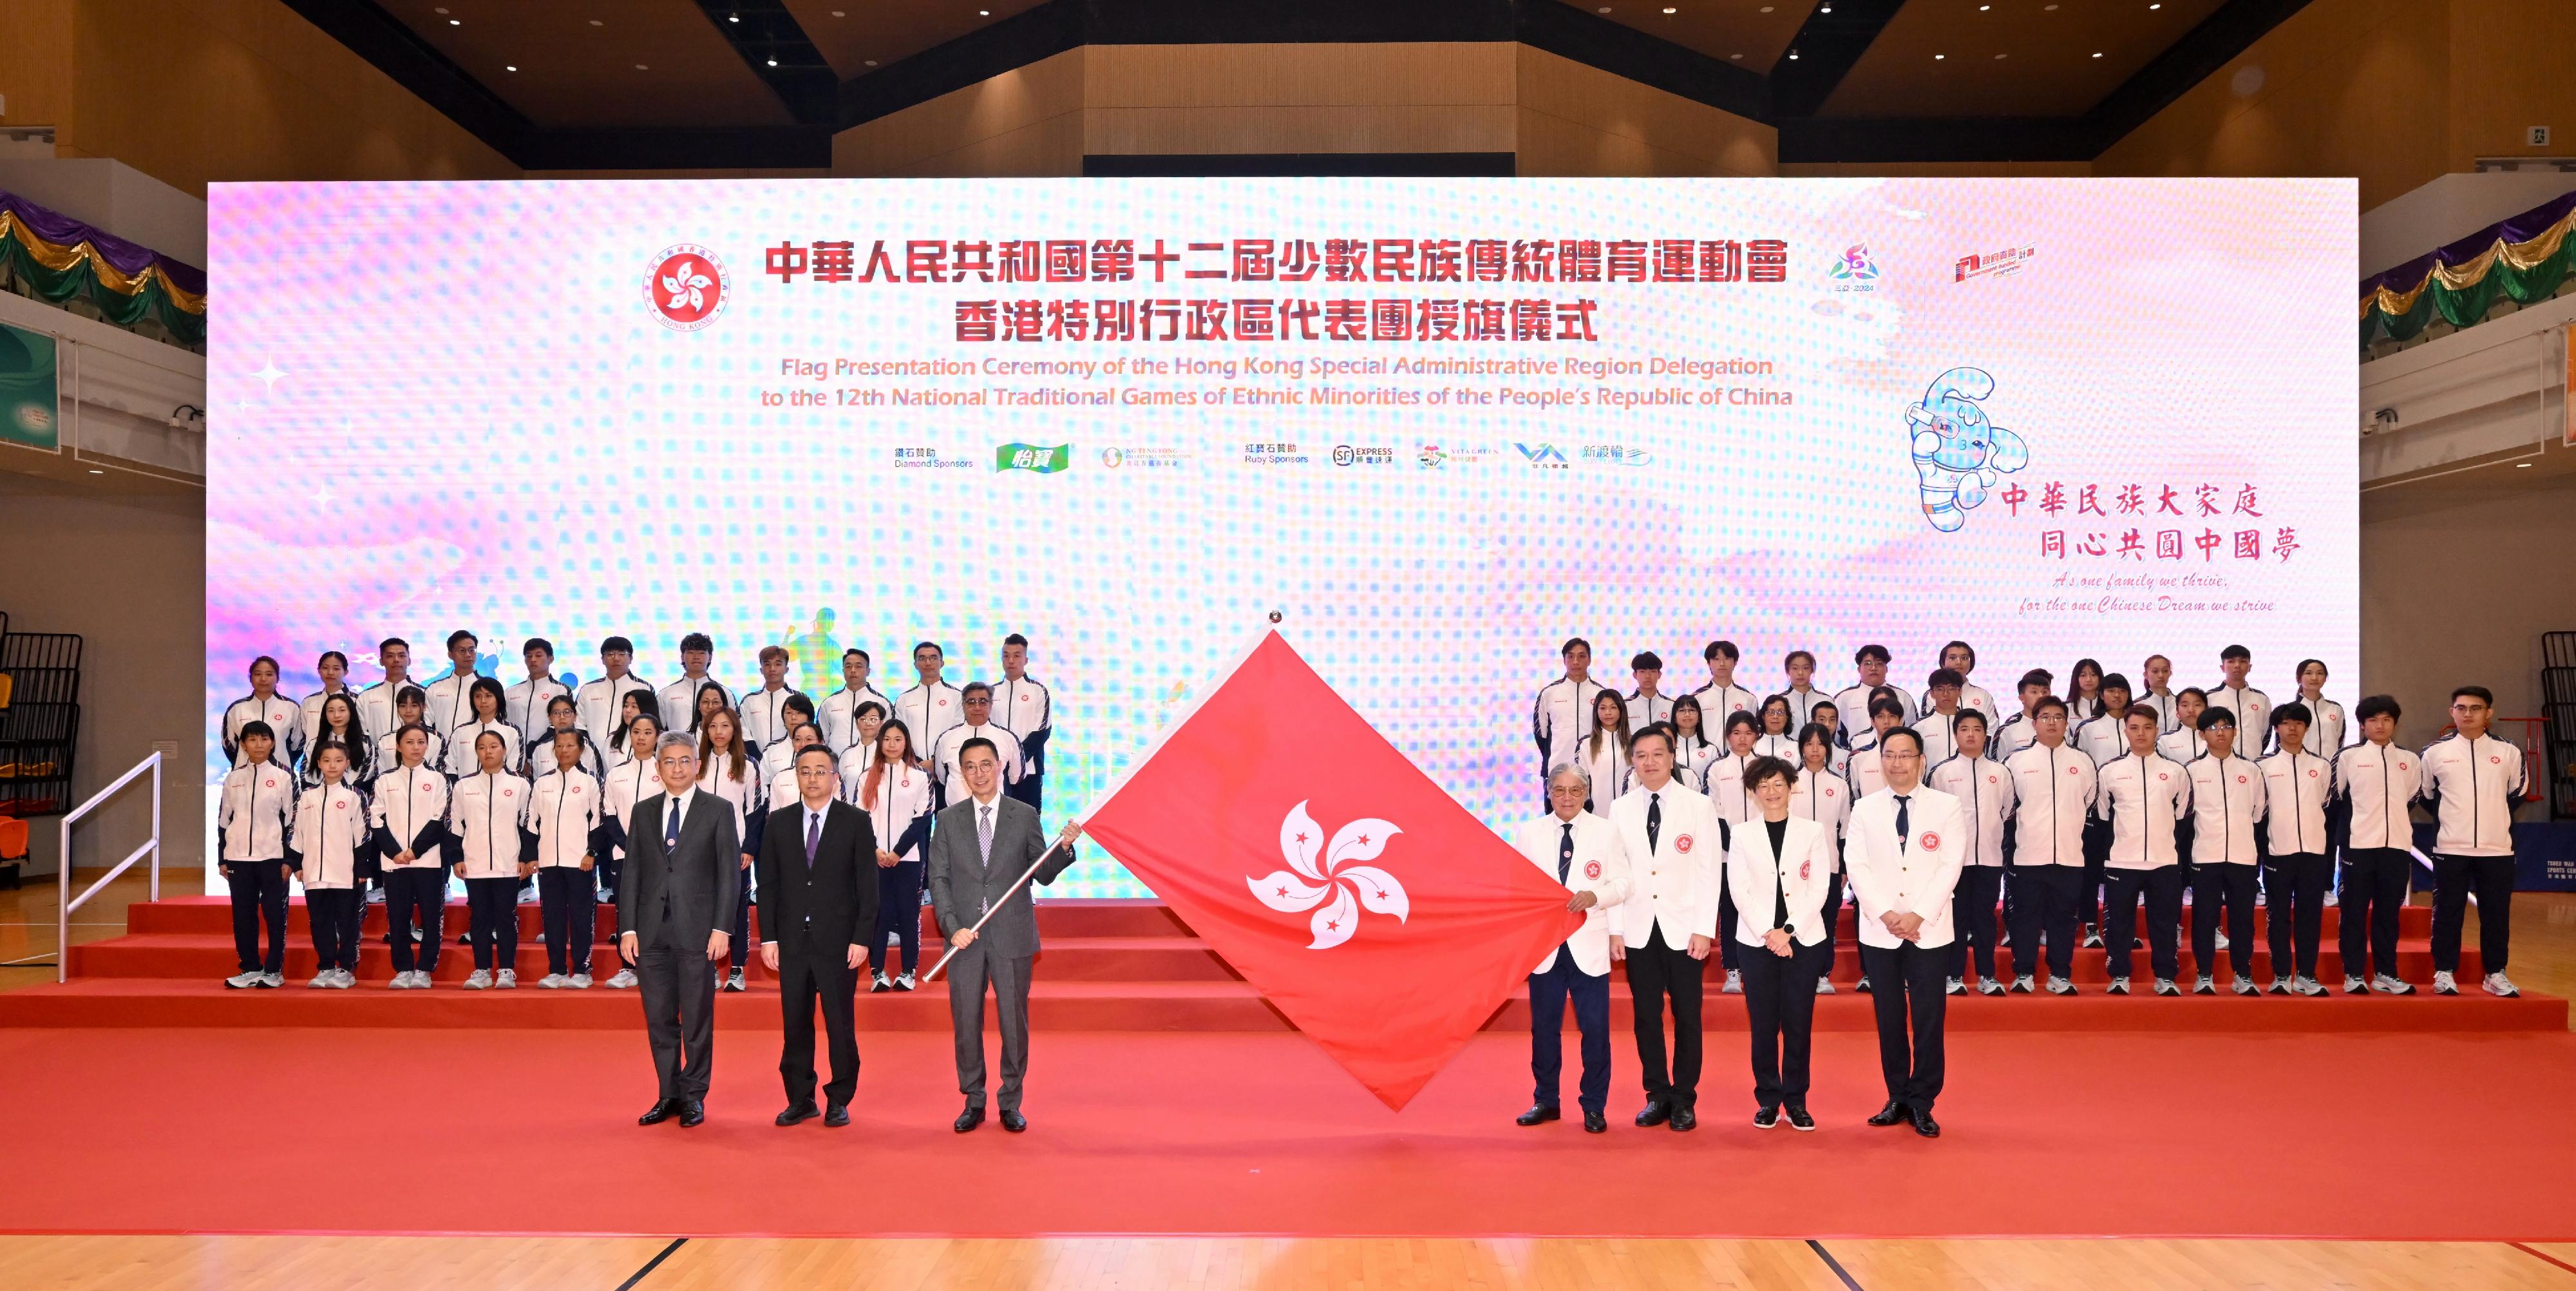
[{"x": 63, "y": 919}]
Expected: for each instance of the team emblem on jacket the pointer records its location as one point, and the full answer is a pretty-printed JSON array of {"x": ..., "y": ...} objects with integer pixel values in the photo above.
[
  {"x": 1682, "y": 844},
  {"x": 1320, "y": 879},
  {"x": 686, "y": 287},
  {"x": 2240, "y": 779},
  {"x": 1592, "y": 869},
  {"x": 2495, "y": 759},
  {"x": 1931, "y": 842},
  {"x": 1804, "y": 867}
]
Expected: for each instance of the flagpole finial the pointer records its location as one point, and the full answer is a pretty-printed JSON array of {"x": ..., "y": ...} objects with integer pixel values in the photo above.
[{"x": 1275, "y": 616}]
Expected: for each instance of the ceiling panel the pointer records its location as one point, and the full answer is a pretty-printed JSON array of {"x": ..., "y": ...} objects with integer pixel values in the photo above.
[
  {"x": 2009, "y": 58},
  {"x": 597, "y": 63},
  {"x": 1750, "y": 34},
  {"x": 851, "y": 33}
]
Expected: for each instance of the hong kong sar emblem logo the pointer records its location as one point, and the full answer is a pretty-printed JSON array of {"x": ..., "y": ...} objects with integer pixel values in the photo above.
[{"x": 687, "y": 287}]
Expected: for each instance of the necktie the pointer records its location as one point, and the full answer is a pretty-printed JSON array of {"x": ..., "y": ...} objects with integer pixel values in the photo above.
[
  {"x": 1900, "y": 822},
  {"x": 984, "y": 832},
  {"x": 671, "y": 827},
  {"x": 813, "y": 838},
  {"x": 1565, "y": 854},
  {"x": 1654, "y": 819}
]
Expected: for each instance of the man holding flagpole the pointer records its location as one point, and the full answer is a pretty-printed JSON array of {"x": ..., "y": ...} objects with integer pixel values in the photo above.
[{"x": 983, "y": 849}]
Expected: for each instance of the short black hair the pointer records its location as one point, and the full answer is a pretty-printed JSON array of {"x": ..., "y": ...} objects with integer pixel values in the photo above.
[
  {"x": 2235, "y": 652},
  {"x": 537, "y": 643},
  {"x": 1015, "y": 639},
  {"x": 1570, "y": 643},
  {"x": 1947, "y": 677},
  {"x": 2120, "y": 680},
  {"x": 798, "y": 701},
  {"x": 1647, "y": 659},
  {"x": 812, "y": 748},
  {"x": 2478, "y": 693},
  {"x": 1795, "y": 655},
  {"x": 564, "y": 699},
  {"x": 614, "y": 644},
  {"x": 931, "y": 646},
  {"x": 2377, "y": 706},
  {"x": 1948, "y": 646},
  {"x": 2047, "y": 702},
  {"x": 411, "y": 695},
  {"x": 2192, "y": 690},
  {"x": 1969, "y": 715},
  {"x": 1655, "y": 730},
  {"x": 1744, "y": 719},
  {"x": 1869, "y": 653},
  {"x": 328, "y": 656},
  {"x": 1716, "y": 648},
  {"x": 2137, "y": 711},
  {"x": 862, "y": 710},
  {"x": 1906, "y": 731},
  {"x": 1765, "y": 767},
  {"x": 2294, "y": 711},
  {"x": 697, "y": 641},
  {"x": 2040, "y": 677},
  {"x": 261, "y": 729},
  {"x": 389, "y": 643},
  {"x": 854, "y": 650},
  {"x": 461, "y": 634},
  {"x": 977, "y": 742},
  {"x": 2216, "y": 717},
  {"x": 974, "y": 686},
  {"x": 1887, "y": 704}
]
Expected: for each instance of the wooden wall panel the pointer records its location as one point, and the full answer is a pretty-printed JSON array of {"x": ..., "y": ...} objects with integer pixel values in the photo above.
[
  {"x": 1579, "y": 120},
  {"x": 2509, "y": 70},
  {"x": 1026, "y": 121}
]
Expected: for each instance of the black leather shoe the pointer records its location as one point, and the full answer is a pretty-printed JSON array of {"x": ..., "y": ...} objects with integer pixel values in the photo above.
[
  {"x": 1014, "y": 1122},
  {"x": 693, "y": 1113},
  {"x": 837, "y": 1116},
  {"x": 1926, "y": 1126},
  {"x": 798, "y": 1113},
  {"x": 1654, "y": 1115},
  {"x": 1538, "y": 1114},
  {"x": 1684, "y": 1119},
  {"x": 658, "y": 1112},
  {"x": 1595, "y": 1123},
  {"x": 970, "y": 1118},
  {"x": 1893, "y": 1114},
  {"x": 1799, "y": 1120},
  {"x": 1765, "y": 1118}
]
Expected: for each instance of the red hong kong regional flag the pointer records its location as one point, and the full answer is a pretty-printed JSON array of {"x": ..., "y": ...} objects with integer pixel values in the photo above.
[{"x": 1385, "y": 920}]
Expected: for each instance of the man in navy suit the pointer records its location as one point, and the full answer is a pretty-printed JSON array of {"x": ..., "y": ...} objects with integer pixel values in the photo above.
[{"x": 817, "y": 876}]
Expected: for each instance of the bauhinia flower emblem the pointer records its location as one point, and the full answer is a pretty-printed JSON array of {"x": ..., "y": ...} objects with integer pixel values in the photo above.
[
  {"x": 687, "y": 282},
  {"x": 1338, "y": 888}
]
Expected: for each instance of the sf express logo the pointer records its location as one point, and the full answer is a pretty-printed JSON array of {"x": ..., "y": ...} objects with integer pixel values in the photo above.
[{"x": 687, "y": 287}]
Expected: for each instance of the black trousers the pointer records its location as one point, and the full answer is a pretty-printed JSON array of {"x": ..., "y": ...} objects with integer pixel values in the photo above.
[
  {"x": 2229, "y": 886},
  {"x": 898, "y": 914},
  {"x": 2297, "y": 883},
  {"x": 1906, "y": 990},
  {"x": 259, "y": 892},
  {"x": 1659, "y": 973},
  {"x": 2097, "y": 855},
  {"x": 1029, "y": 789},
  {"x": 1549, "y": 992},
  {"x": 2453, "y": 879},
  {"x": 569, "y": 898},
  {"x": 1780, "y": 1002},
  {"x": 740, "y": 949},
  {"x": 409, "y": 892},
  {"x": 1972, "y": 914},
  {"x": 1727, "y": 956},
  {"x": 679, "y": 1013},
  {"x": 492, "y": 921},
  {"x": 809, "y": 974},
  {"x": 2374, "y": 890},
  {"x": 333, "y": 914},
  {"x": 2043, "y": 905},
  {"x": 2162, "y": 889}
]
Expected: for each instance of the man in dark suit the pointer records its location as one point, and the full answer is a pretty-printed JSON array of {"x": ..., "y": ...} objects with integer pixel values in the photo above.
[
  {"x": 817, "y": 876},
  {"x": 979, "y": 848},
  {"x": 680, "y": 889}
]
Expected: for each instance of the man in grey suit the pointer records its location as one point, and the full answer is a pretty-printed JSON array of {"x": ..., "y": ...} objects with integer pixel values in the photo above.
[
  {"x": 678, "y": 900},
  {"x": 979, "y": 848}
]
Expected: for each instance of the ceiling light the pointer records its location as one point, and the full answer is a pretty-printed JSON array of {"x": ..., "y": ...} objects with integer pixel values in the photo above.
[
  {"x": 1603, "y": 9},
  {"x": 2155, "y": 6},
  {"x": 2003, "y": 55},
  {"x": 872, "y": 62},
  {"x": 773, "y": 62},
  {"x": 1670, "y": 9},
  {"x": 733, "y": 17},
  {"x": 597, "y": 23},
  {"x": 1793, "y": 56},
  {"x": 2097, "y": 55},
  {"x": 983, "y": 13},
  {"x": 2519, "y": 466},
  {"x": 439, "y": 10},
  {"x": 455, "y": 22},
  {"x": 1735, "y": 56},
  {"x": 1938, "y": 57},
  {"x": 95, "y": 471},
  {"x": 642, "y": 68},
  {"x": 838, "y": 14},
  {"x": 511, "y": 68}
]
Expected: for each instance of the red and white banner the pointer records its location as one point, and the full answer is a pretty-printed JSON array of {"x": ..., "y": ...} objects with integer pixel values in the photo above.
[{"x": 1383, "y": 918}]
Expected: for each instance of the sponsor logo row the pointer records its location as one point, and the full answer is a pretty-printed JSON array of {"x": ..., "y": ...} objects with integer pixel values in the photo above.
[{"x": 1052, "y": 459}]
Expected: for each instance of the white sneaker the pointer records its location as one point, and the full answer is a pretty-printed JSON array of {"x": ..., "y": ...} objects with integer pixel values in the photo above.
[
  {"x": 342, "y": 979},
  {"x": 1989, "y": 986},
  {"x": 2205, "y": 986},
  {"x": 551, "y": 982},
  {"x": 421, "y": 980},
  {"x": 2444, "y": 984},
  {"x": 1824, "y": 986},
  {"x": 2353, "y": 985},
  {"x": 2060, "y": 986},
  {"x": 2222, "y": 941},
  {"x": 2092, "y": 938},
  {"x": 2499, "y": 984},
  {"x": 509, "y": 979},
  {"x": 2280, "y": 985},
  {"x": 2165, "y": 986},
  {"x": 905, "y": 982},
  {"x": 2306, "y": 986},
  {"x": 733, "y": 980},
  {"x": 321, "y": 981},
  {"x": 2386, "y": 984},
  {"x": 271, "y": 981},
  {"x": 1734, "y": 982},
  {"x": 1954, "y": 987},
  {"x": 481, "y": 980},
  {"x": 624, "y": 981},
  {"x": 2119, "y": 986},
  {"x": 1862, "y": 985},
  {"x": 579, "y": 981},
  {"x": 2244, "y": 985},
  {"x": 242, "y": 981},
  {"x": 2024, "y": 982},
  {"x": 2331, "y": 899},
  {"x": 400, "y": 981}
]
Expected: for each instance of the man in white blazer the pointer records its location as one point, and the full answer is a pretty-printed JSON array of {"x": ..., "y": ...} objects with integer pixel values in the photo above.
[
  {"x": 1581, "y": 851},
  {"x": 1676, "y": 849},
  {"x": 1780, "y": 866},
  {"x": 1903, "y": 851}
]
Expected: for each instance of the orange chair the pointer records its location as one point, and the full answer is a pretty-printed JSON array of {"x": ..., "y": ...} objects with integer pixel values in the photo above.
[{"x": 13, "y": 847}]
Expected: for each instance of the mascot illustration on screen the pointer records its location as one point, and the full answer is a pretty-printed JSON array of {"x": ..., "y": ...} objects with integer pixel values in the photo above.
[{"x": 1958, "y": 453}]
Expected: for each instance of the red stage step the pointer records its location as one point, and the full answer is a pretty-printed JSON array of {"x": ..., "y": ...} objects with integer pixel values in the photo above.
[{"x": 1108, "y": 965}]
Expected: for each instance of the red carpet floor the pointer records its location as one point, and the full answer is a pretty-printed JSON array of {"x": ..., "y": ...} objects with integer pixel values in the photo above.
[{"x": 531, "y": 1131}]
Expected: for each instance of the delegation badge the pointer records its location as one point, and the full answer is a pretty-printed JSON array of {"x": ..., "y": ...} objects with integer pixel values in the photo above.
[
  {"x": 1682, "y": 844},
  {"x": 1931, "y": 842},
  {"x": 1592, "y": 869},
  {"x": 1803, "y": 867}
]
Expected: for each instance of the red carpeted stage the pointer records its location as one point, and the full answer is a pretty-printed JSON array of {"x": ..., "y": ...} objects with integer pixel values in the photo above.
[{"x": 1164, "y": 1098}]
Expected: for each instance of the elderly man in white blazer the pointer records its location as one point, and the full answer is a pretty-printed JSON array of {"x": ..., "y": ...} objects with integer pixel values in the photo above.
[
  {"x": 1676, "y": 849},
  {"x": 1580, "y": 850},
  {"x": 1780, "y": 866},
  {"x": 1903, "y": 852}
]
